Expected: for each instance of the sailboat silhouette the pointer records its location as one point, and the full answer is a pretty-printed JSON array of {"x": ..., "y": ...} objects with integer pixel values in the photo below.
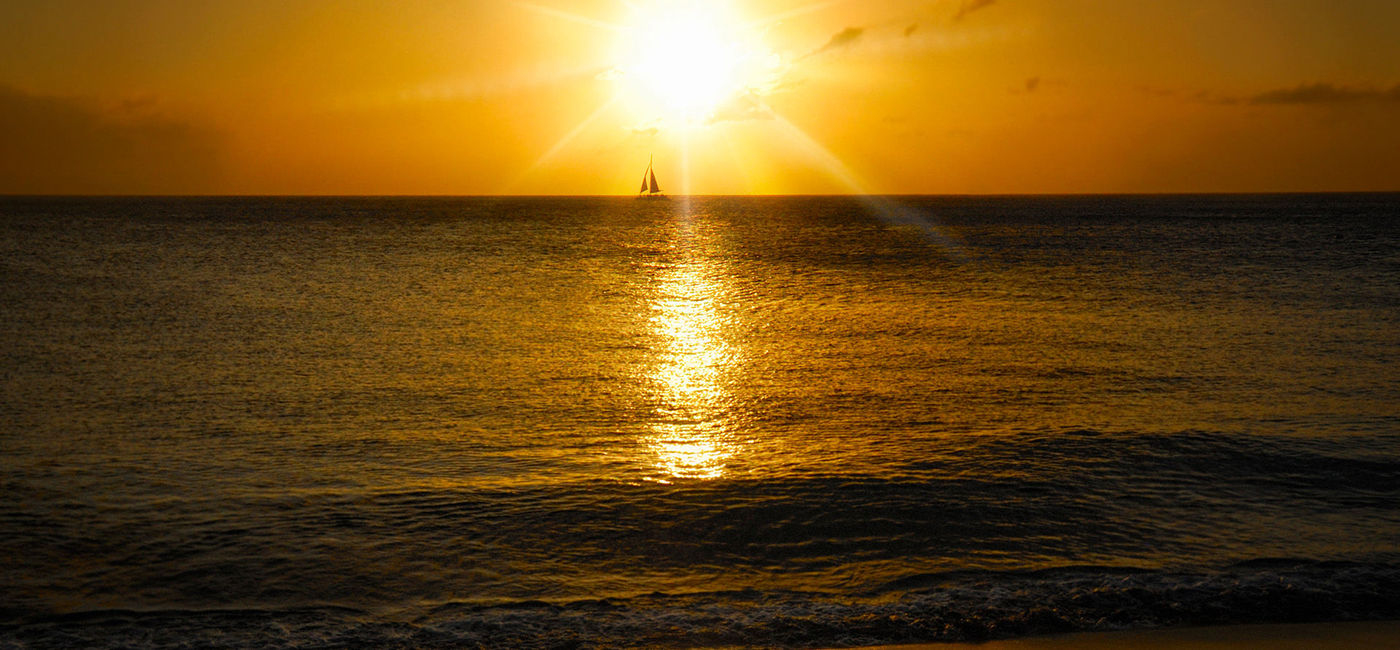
[{"x": 650, "y": 190}]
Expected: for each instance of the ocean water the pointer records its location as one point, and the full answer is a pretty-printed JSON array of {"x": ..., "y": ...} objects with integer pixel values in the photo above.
[{"x": 598, "y": 422}]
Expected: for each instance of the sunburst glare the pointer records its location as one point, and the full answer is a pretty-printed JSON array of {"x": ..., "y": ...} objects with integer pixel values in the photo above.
[
  {"x": 683, "y": 71},
  {"x": 681, "y": 60}
]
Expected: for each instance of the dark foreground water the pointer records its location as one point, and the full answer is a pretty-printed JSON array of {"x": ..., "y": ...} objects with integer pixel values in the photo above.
[{"x": 729, "y": 421}]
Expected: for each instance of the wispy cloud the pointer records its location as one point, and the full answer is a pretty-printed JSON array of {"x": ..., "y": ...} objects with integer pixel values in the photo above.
[
  {"x": 842, "y": 39},
  {"x": 969, "y": 6},
  {"x": 747, "y": 106},
  {"x": 66, "y": 145},
  {"x": 1204, "y": 96},
  {"x": 1326, "y": 93}
]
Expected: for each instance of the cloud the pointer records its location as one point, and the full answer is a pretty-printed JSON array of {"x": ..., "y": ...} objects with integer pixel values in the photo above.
[
  {"x": 1209, "y": 97},
  {"x": 1326, "y": 93},
  {"x": 844, "y": 38},
  {"x": 1032, "y": 84},
  {"x": 1154, "y": 91},
  {"x": 747, "y": 106},
  {"x": 969, "y": 6},
  {"x": 909, "y": 31},
  {"x": 58, "y": 145}
]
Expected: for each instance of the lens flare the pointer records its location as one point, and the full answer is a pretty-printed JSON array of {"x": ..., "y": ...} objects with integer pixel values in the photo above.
[{"x": 687, "y": 59}]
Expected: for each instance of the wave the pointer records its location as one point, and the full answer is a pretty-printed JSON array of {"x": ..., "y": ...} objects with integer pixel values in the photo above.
[{"x": 954, "y": 606}]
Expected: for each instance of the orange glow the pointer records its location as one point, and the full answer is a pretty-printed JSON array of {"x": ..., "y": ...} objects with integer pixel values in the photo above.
[
  {"x": 733, "y": 96},
  {"x": 683, "y": 60}
]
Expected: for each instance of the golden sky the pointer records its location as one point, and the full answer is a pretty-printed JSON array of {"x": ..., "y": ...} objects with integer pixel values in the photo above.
[{"x": 732, "y": 97}]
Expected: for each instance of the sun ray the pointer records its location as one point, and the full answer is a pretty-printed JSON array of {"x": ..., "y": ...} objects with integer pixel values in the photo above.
[
  {"x": 809, "y": 147},
  {"x": 705, "y": 32},
  {"x": 685, "y": 170},
  {"x": 886, "y": 209},
  {"x": 738, "y": 161},
  {"x": 521, "y": 80},
  {"x": 564, "y": 15},
  {"x": 565, "y": 140}
]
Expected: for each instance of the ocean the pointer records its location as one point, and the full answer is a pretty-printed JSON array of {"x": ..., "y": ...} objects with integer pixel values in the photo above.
[{"x": 704, "y": 422}]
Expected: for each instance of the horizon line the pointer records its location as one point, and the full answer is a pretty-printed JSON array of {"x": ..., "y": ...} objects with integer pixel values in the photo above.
[{"x": 4, "y": 195}]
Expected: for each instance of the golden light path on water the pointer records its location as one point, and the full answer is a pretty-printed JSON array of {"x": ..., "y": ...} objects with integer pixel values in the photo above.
[{"x": 691, "y": 437}]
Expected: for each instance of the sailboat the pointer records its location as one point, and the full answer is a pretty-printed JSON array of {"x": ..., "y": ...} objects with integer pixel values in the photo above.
[{"x": 650, "y": 190}]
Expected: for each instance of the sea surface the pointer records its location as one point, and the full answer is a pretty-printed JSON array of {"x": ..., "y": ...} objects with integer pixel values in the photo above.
[{"x": 766, "y": 421}]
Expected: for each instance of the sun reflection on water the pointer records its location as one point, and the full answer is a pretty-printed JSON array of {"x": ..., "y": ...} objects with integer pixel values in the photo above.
[
  {"x": 690, "y": 436},
  {"x": 689, "y": 451}
]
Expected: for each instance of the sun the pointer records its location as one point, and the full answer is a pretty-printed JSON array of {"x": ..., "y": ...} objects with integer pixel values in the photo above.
[{"x": 684, "y": 59}]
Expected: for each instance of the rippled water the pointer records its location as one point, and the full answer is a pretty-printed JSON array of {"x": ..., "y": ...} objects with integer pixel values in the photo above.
[{"x": 721, "y": 421}]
